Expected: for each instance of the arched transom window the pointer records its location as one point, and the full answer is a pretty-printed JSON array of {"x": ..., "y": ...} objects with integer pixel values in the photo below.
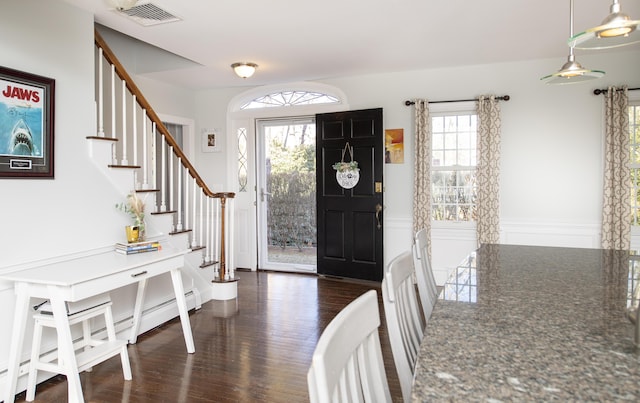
[{"x": 290, "y": 98}]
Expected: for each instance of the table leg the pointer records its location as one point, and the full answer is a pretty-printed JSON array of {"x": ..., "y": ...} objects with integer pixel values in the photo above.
[
  {"x": 17, "y": 336},
  {"x": 137, "y": 310},
  {"x": 178, "y": 289},
  {"x": 66, "y": 354}
]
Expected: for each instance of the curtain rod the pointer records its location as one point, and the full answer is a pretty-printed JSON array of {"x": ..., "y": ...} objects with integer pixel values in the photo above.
[
  {"x": 502, "y": 98},
  {"x": 604, "y": 91}
]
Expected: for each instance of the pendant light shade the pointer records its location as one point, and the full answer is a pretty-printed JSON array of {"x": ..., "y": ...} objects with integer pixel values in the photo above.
[
  {"x": 571, "y": 72},
  {"x": 122, "y": 5},
  {"x": 616, "y": 30},
  {"x": 244, "y": 69}
]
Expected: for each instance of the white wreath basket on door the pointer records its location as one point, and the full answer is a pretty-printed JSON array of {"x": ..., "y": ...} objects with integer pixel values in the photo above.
[{"x": 347, "y": 173}]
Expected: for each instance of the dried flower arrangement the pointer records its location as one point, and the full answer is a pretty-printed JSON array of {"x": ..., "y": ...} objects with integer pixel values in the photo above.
[{"x": 134, "y": 206}]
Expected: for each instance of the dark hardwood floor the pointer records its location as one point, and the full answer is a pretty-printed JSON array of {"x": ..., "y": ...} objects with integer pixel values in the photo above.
[{"x": 257, "y": 348}]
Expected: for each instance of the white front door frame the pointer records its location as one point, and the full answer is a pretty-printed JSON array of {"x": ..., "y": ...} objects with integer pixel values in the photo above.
[{"x": 246, "y": 243}]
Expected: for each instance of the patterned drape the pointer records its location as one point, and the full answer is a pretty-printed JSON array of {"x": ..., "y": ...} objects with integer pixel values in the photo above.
[
  {"x": 422, "y": 170},
  {"x": 616, "y": 208},
  {"x": 488, "y": 170}
]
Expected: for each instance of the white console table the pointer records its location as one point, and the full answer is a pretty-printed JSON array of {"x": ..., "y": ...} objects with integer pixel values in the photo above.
[{"x": 83, "y": 277}]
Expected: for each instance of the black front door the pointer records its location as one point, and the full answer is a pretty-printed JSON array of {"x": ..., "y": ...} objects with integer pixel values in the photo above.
[{"x": 350, "y": 218}]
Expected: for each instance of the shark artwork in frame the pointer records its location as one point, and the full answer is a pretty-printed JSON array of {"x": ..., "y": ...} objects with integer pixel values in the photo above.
[{"x": 26, "y": 125}]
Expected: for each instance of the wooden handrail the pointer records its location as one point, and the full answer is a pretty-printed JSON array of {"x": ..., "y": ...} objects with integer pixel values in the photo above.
[{"x": 142, "y": 101}]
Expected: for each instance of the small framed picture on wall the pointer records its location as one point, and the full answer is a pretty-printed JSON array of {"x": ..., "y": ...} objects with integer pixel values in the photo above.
[{"x": 210, "y": 141}]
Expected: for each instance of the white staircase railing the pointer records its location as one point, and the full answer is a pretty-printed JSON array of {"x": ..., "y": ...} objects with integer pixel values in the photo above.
[{"x": 142, "y": 142}]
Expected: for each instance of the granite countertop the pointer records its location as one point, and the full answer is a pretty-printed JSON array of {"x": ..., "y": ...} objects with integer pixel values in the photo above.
[{"x": 523, "y": 323}]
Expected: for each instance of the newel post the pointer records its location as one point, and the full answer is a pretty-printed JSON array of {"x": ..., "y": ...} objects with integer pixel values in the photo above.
[{"x": 223, "y": 233}]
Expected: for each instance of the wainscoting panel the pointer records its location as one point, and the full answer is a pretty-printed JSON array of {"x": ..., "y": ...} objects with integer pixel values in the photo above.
[
  {"x": 551, "y": 234},
  {"x": 398, "y": 237},
  {"x": 451, "y": 243}
]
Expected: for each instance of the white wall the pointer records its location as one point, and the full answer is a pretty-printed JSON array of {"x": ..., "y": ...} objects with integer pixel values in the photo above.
[
  {"x": 551, "y": 147},
  {"x": 75, "y": 211},
  {"x": 45, "y": 218},
  {"x": 551, "y": 166}
]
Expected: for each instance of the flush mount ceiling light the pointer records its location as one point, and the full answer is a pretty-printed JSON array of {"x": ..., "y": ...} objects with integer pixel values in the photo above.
[
  {"x": 616, "y": 30},
  {"x": 122, "y": 5},
  {"x": 572, "y": 71},
  {"x": 244, "y": 69}
]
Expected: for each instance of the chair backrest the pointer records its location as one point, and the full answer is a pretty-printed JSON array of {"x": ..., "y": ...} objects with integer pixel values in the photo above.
[
  {"x": 404, "y": 324},
  {"x": 424, "y": 274},
  {"x": 347, "y": 363}
]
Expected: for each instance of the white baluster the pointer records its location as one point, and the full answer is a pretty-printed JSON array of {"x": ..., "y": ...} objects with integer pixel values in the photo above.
[
  {"x": 194, "y": 237},
  {"x": 186, "y": 198},
  {"x": 201, "y": 218},
  {"x": 125, "y": 161},
  {"x": 207, "y": 252},
  {"x": 145, "y": 152},
  {"x": 100, "y": 95},
  {"x": 154, "y": 173},
  {"x": 114, "y": 157},
  {"x": 179, "y": 195},
  {"x": 134, "y": 136},
  {"x": 163, "y": 177},
  {"x": 171, "y": 175},
  {"x": 134, "y": 123}
]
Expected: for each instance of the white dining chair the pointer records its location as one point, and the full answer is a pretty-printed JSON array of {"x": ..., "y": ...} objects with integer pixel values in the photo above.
[
  {"x": 347, "y": 363},
  {"x": 425, "y": 280},
  {"x": 404, "y": 323}
]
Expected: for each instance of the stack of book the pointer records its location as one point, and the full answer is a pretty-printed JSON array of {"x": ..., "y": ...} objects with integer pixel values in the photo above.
[{"x": 137, "y": 247}]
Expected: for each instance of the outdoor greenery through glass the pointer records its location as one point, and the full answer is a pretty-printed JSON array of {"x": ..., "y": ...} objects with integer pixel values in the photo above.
[
  {"x": 291, "y": 181},
  {"x": 453, "y": 167}
]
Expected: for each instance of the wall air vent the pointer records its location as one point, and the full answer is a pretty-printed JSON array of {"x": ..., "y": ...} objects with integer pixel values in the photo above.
[{"x": 149, "y": 14}]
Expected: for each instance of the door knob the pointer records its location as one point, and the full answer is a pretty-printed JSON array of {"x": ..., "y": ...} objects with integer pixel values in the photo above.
[
  {"x": 263, "y": 194},
  {"x": 378, "y": 211}
]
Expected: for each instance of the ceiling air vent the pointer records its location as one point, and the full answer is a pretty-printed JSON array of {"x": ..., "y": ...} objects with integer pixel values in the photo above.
[{"x": 149, "y": 14}]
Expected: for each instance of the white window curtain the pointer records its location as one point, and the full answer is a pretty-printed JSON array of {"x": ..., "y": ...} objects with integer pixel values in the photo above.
[
  {"x": 422, "y": 170},
  {"x": 616, "y": 210},
  {"x": 488, "y": 170}
]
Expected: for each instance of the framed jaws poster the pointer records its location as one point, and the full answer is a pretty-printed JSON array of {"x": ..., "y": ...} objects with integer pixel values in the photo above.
[{"x": 26, "y": 125}]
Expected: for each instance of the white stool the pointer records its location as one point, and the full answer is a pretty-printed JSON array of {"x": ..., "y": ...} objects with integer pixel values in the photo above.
[{"x": 94, "y": 351}]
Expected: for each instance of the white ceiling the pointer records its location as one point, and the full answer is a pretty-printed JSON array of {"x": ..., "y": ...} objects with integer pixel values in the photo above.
[{"x": 297, "y": 40}]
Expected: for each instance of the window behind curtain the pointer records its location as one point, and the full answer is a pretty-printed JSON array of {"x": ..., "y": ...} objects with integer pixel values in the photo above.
[
  {"x": 453, "y": 166},
  {"x": 634, "y": 132}
]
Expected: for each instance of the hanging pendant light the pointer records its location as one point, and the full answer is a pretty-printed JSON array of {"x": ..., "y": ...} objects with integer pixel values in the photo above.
[
  {"x": 616, "y": 30},
  {"x": 572, "y": 71}
]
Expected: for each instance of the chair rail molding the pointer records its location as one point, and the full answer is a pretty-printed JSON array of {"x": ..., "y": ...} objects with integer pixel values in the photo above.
[{"x": 563, "y": 234}]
